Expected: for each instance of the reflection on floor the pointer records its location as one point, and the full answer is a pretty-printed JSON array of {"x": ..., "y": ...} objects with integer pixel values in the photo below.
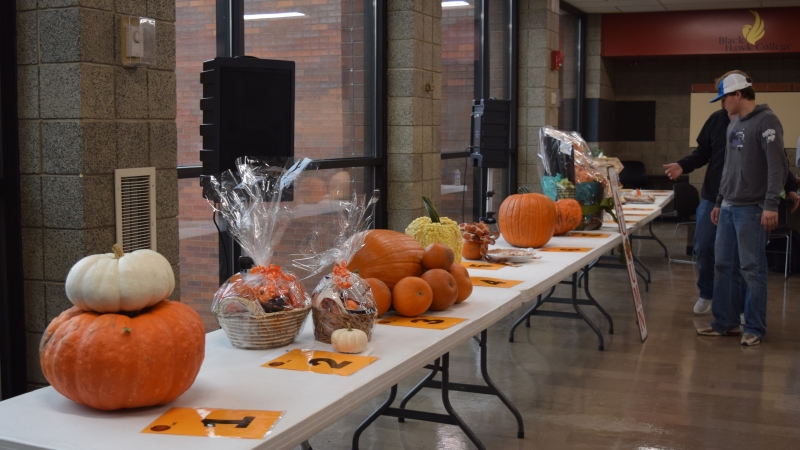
[{"x": 675, "y": 391}]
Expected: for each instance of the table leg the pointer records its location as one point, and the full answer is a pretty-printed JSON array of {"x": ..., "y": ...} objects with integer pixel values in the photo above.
[
  {"x": 591, "y": 299},
  {"x": 418, "y": 387},
  {"x": 378, "y": 412},
  {"x": 497, "y": 391},
  {"x": 666, "y": 253},
  {"x": 527, "y": 315},
  {"x": 305, "y": 445}
]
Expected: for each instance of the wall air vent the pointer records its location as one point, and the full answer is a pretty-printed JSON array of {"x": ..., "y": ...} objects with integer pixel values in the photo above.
[{"x": 135, "y": 191}]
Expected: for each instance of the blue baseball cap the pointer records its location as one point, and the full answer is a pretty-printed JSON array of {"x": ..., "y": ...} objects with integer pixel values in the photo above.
[{"x": 732, "y": 83}]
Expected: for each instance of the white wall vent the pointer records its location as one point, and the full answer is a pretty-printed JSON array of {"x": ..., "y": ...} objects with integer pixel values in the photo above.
[{"x": 135, "y": 191}]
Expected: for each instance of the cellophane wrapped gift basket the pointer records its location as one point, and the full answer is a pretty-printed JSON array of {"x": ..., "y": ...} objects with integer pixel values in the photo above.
[
  {"x": 264, "y": 306},
  {"x": 342, "y": 299},
  {"x": 568, "y": 170}
]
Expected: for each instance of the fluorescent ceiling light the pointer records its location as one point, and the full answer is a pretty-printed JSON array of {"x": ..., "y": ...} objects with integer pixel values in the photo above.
[
  {"x": 453, "y": 4},
  {"x": 272, "y": 16}
]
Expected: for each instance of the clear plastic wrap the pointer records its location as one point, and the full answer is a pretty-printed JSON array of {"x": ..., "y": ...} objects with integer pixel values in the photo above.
[
  {"x": 342, "y": 297},
  {"x": 568, "y": 170},
  {"x": 262, "y": 307}
]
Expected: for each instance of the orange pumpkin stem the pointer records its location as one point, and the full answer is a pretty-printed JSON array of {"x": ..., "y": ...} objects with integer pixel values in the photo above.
[{"x": 117, "y": 249}]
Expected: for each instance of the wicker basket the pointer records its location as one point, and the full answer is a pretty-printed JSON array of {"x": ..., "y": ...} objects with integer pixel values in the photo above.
[
  {"x": 258, "y": 332},
  {"x": 325, "y": 323}
]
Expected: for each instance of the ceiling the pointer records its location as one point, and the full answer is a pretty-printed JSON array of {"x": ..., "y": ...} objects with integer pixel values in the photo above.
[{"x": 617, "y": 6}]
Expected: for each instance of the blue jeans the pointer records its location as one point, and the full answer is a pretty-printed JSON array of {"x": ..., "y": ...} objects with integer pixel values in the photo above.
[
  {"x": 740, "y": 258},
  {"x": 705, "y": 234}
]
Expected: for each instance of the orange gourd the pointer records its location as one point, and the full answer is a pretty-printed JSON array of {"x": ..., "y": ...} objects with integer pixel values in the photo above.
[
  {"x": 437, "y": 256},
  {"x": 443, "y": 285},
  {"x": 388, "y": 256},
  {"x": 382, "y": 294},
  {"x": 311, "y": 190},
  {"x": 568, "y": 216},
  {"x": 471, "y": 250},
  {"x": 411, "y": 296},
  {"x": 463, "y": 282},
  {"x": 112, "y": 361},
  {"x": 527, "y": 219}
]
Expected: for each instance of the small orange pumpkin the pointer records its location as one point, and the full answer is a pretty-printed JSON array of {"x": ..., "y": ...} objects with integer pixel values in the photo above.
[
  {"x": 464, "y": 283},
  {"x": 444, "y": 287},
  {"x": 568, "y": 216},
  {"x": 388, "y": 256},
  {"x": 437, "y": 256},
  {"x": 112, "y": 361},
  {"x": 412, "y": 296},
  {"x": 382, "y": 294},
  {"x": 471, "y": 249},
  {"x": 527, "y": 219}
]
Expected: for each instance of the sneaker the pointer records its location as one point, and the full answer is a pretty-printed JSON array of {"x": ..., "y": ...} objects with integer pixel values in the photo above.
[
  {"x": 750, "y": 340},
  {"x": 702, "y": 306},
  {"x": 708, "y": 331},
  {"x": 741, "y": 318}
]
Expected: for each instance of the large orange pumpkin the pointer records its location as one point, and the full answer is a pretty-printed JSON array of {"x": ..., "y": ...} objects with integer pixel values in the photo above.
[
  {"x": 388, "y": 256},
  {"x": 527, "y": 219},
  {"x": 568, "y": 216},
  {"x": 112, "y": 361}
]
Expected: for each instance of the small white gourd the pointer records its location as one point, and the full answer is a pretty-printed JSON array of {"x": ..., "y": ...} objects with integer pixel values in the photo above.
[{"x": 349, "y": 340}]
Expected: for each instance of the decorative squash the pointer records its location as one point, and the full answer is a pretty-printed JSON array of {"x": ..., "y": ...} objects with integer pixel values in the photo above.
[
  {"x": 428, "y": 230},
  {"x": 348, "y": 340},
  {"x": 568, "y": 216},
  {"x": 463, "y": 282},
  {"x": 340, "y": 186},
  {"x": 112, "y": 361},
  {"x": 388, "y": 256},
  {"x": 437, "y": 256},
  {"x": 382, "y": 294},
  {"x": 527, "y": 219},
  {"x": 411, "y": 296},
  {"x": 114, "y": 282},
  {"x": 311, "y": 190},
  {"x": 443, "y": 285}
]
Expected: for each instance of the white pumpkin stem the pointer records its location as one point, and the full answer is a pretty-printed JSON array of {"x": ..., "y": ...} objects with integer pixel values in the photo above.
[{"x": 117, "y": 249}]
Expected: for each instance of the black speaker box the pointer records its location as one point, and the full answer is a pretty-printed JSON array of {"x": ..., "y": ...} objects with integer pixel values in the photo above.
[
  {"x": 248, "y": 110},
  {"x": 490, "y": 133}
]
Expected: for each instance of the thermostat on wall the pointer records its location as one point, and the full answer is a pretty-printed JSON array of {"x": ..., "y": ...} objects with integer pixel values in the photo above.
[{"x": 138, "y": 41}]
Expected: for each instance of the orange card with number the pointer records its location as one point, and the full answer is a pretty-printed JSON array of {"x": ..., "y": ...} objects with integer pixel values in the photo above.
[
  {"x": 316, "y": 361},
  {"x": 586, "y": 235},
  {"x": 430, "y": 322},
  {"x": 493, "y": 282},
  {"x": 565, "y": 249},
  {"x": 480, "y": 265},
  {"x": 214, "y": 422}
]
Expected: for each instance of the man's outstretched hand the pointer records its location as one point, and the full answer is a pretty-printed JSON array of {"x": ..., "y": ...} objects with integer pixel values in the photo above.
[{"x": 673, "y": 171}]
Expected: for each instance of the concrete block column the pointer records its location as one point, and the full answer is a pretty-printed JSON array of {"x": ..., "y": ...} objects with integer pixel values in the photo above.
[
  {"x": 538, "y": 83},
  {"x": 83, "y": 115},
  {"x": 414, "y": 108}
]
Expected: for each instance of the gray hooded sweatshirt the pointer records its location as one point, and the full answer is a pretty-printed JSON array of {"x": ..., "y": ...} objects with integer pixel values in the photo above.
[{"x": 755, "y": 163}]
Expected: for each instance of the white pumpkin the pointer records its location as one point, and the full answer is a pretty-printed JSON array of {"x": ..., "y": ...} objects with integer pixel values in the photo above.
[
  {"x": 114, "y": 282},
  {"x": 349, "y": 340}
]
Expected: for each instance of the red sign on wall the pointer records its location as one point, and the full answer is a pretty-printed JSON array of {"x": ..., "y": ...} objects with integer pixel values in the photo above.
[{"x": 719, "y": 32}]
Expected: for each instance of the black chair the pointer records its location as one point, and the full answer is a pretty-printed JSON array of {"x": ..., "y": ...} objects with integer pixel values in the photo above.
[
  {"x": 633, "y": 175},
  {"x": 782, "y": 231},
  {"x": 686, "y": 202}
]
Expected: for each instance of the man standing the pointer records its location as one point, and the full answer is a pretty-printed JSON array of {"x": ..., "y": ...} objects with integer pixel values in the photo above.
[
  {"x": 746, "y": 210},
  {"x": 711, "y": 143}
]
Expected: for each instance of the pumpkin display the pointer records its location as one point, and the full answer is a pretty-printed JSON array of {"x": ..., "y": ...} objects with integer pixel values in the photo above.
[
  {"x": 411, "y": 296},
  {"x": 434, "y": 228},
  {"x": 382, "y": 294},
  {"x": 114, "y": 282},
  {"x": 444, "y": 288},
  {"x": 527, "y": 219},
  {"x": 113, "y": 361},
  {"x": 388, "y": 256},
  {"x": 477, "y": 238},
  {"x": 568, "y": 216},
  {"x": 311, "y": 190},
  {"x": 463, "y": 282},
  {"x": 349, "y": 340},
  {"x": 340, "y": 186},
  {"x": 437, "y": 256}
]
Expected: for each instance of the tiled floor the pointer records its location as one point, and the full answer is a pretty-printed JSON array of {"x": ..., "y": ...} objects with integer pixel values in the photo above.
[{"x": 675, "y": 391}]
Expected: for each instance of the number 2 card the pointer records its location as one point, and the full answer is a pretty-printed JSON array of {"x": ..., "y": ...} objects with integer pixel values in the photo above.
[{"x": 316, "y": 361}]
